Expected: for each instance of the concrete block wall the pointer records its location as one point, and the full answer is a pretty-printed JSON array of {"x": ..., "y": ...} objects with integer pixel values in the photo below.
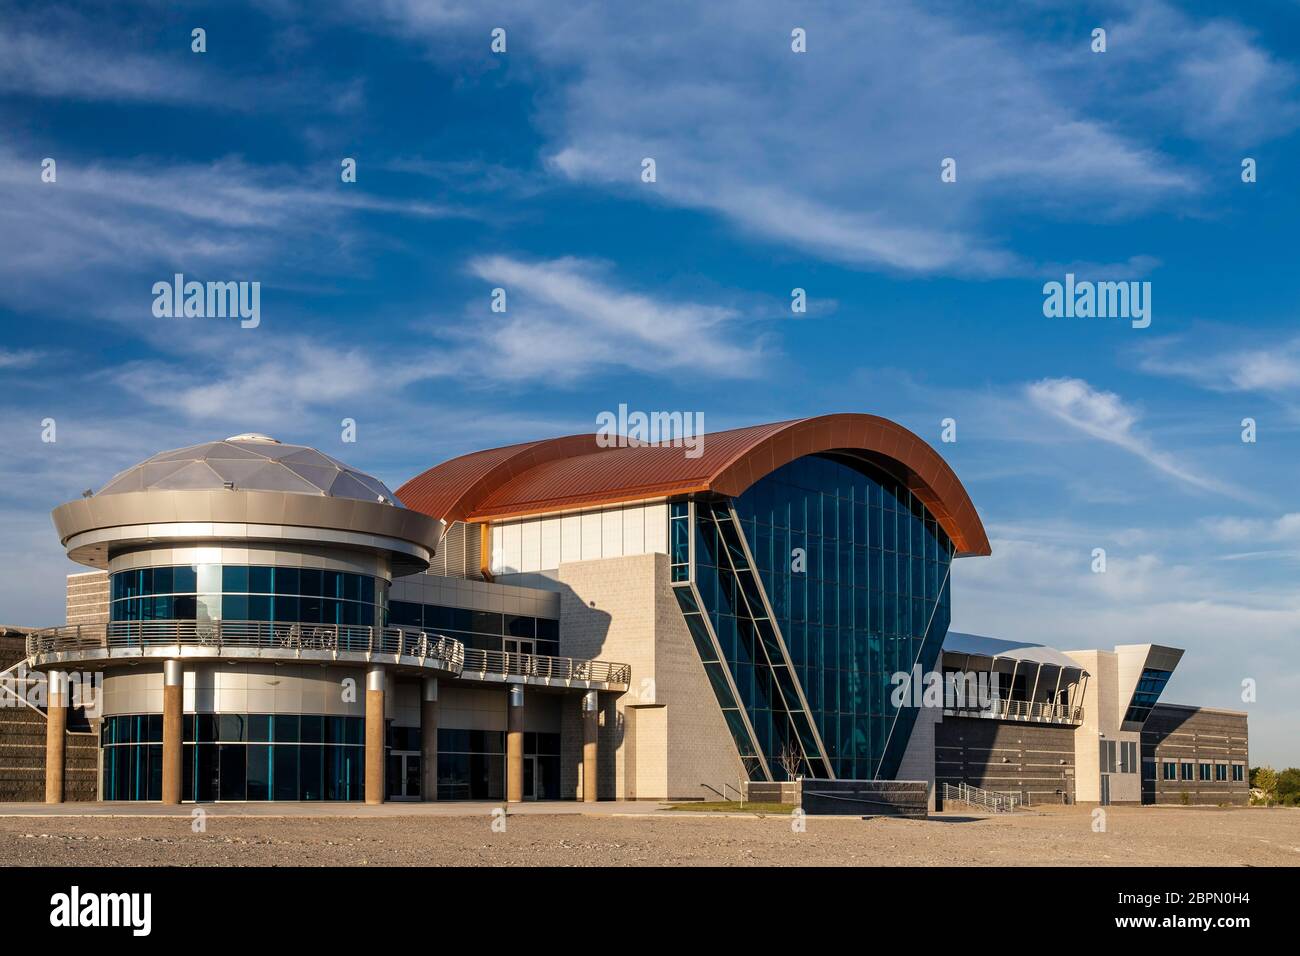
[
  {"x": 666, "y": 736},
  {"x": 87, "y": 598},
  {"x": 1196, "y": 735}
]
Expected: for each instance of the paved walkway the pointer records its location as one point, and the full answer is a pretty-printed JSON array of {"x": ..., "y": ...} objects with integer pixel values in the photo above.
[{"x": 457, "y": 808}]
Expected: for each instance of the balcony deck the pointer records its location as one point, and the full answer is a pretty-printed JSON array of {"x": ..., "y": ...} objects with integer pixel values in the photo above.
[
  {"x": 96, "y": 645},
  {"x": 1034, "y": 712}
]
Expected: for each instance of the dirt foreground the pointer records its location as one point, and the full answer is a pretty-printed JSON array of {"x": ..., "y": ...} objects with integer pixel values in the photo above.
[{"x": 1133, "y": 836}]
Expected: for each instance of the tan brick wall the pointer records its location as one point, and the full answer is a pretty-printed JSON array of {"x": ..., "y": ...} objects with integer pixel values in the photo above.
[
  {"x": 88, "y": 598},
  {"x": 665, "y": 736}
]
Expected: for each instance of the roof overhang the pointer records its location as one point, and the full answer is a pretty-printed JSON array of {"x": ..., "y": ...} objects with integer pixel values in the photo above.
[
  {"x": 578, "y": 471},
  {"x": 92, "y": 529}
]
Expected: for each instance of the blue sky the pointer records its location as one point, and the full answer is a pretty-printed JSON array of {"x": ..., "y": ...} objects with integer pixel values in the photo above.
[{"x": 775, "y": 170}]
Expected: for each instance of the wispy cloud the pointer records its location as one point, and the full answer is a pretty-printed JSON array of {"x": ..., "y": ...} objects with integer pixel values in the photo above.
[
  {"x": 567, "y": 318},
  {"x": 732, "y": 111},
  {"x": 1272, "y": 369},
  {"x": 104, "y": 224},
  {"x": 1105, "y": 416},
  {"x": 19, "y": 358}
]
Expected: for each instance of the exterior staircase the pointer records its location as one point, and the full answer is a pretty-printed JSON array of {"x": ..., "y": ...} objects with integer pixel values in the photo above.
[{"x": 22, "y": 733}]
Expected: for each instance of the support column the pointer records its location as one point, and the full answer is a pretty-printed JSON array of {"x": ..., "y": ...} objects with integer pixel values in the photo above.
[
  {"x": 515, "y": 745},
  {"x": 56, "y": 726},
  {"x": 172, "y": 750},
  {"x": 429, "y": 740},
  {"x": 590, "y": 732},
  {"x": 375, "y": 684}
]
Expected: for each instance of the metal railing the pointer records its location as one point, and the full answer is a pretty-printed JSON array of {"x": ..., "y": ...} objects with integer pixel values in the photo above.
[
  {"x": 329, "y": 638},
  {"x": 990, "y": 800},
  {"x": 241, "y": 635},
  {"x": 1007, "y": 709},
  {"x": 540, "y": 666}
]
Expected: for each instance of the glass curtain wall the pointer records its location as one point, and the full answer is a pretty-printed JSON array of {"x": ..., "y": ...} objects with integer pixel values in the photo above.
[
  {"x": 214, "y": 592},
  {"x": 855, "y": 570},
  {"x": 238, "y": 757}
]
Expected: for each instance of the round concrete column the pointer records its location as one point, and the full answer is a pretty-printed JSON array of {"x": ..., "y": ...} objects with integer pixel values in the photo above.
[
  {"x": 172, "y": 749},
  {"x": 56, "y": 725},
  {"x": 515, "y": 745},
  {"x": 429, "y": 740},
  {"x": 590, "y": 732},
  {"x": 375, "y": 684}
]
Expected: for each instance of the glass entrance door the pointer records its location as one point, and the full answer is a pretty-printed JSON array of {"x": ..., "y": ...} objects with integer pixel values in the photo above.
[
  {"x": 403, "y": 775},
  {"x": 534, "y": 786}
]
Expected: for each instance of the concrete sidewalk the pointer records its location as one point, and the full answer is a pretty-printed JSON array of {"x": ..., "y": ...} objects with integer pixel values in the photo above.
[{"x": 458, "y": 808}]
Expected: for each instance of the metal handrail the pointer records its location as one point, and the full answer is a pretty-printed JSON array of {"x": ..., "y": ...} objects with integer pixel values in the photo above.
[
  {"x": 993, "y": 800},
  {"x": 1025, "y": 710},
  {"x": 510, "y": 664},
  {"x": 330, "y": 638},
  {"x": 266, "y": 635}
]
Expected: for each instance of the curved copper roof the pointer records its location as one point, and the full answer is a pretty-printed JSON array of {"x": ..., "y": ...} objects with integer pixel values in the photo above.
[{"x": 574, "y": 472}]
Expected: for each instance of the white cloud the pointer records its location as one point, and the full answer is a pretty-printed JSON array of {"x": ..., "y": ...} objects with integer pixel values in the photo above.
[
  {"x": 836, "y": 151},
  {"x": 19, "y": 358},
  {"x": 104, "y": 224},
  {"x": 1037, "y": 589},
  {"x": 1104, "y": 416},
  {"x": 566, "y": 318},
  {"x": 1219, "y": 366}
]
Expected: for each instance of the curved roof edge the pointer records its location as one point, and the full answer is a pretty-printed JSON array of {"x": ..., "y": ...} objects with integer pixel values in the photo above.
[{"x": 574, "y": 471}]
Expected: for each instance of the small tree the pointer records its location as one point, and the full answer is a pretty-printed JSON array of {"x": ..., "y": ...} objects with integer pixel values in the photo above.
[
  {"x": 1266, "y": 781},
  {"x": 790, "y": 760}
]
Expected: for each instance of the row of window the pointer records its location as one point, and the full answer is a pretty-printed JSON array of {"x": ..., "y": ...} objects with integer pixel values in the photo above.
[
  {"x": 239, "y": 772},
  {"x": 487, "y": 630},
  {"x": 1202, "y": 771},
  {"x": 1127, "y": 753},
  {"x": 214, "y": 592},
  {"x": 259, "y": 758},
  {"x": 242, "y": 579},
  {"x": 236, "y": 728},
  {"x": 245, "y": 607}
]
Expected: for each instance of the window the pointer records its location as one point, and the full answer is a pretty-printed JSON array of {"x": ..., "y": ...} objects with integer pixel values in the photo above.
[
  {"x": 1109, "y": 763},
  {"x": 1205, "y": 771},
  {"x": 1169, "y": 770},
  {"x": 1187, "y": 771},
  {"x": 237, "y": 757},
  {"x": 1128, "y": 759},
  {"x": 1221, "y": 773},
  {"x": 1148, "y": 690},
  {"x": 211, "y": 592},
  {"x": 1238, "y": 772}
]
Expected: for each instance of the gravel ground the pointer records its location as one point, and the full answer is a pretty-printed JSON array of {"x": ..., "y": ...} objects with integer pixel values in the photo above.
[{"x": 1151, "y": 836}]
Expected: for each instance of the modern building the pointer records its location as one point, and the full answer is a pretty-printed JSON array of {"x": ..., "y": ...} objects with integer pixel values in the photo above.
[{"x": 560, "y": 619}]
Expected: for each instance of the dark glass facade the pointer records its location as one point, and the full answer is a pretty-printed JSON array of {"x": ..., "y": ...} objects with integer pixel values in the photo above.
[
  {"x": 485, "y": 630},
  {"x": 238, "y": 757},
  {"x": 247, "y": 593},
  {"x": 306, "y": 757},
  {"x": 840, "y": 581},
  {"x": 1147, "y": 693}
]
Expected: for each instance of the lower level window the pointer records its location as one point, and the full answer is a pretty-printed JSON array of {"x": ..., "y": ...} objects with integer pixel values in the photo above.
[
  {"x": 238, "y": 757},
  {"x": 1170, "y": 771},
  {"x": 1238, "y": 773},
  {"x": 1205, "y": 771}
]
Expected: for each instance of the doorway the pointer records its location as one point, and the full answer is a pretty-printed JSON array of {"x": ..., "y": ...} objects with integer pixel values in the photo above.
[
  {"x": 403, "y": 775},
  {"x": 534, "y": 782}
]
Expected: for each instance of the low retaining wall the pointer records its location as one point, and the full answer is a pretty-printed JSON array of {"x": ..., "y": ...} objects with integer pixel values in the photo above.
[
  {"x": 786, "y": 791},
  {"x": 881, "y": 798}
]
